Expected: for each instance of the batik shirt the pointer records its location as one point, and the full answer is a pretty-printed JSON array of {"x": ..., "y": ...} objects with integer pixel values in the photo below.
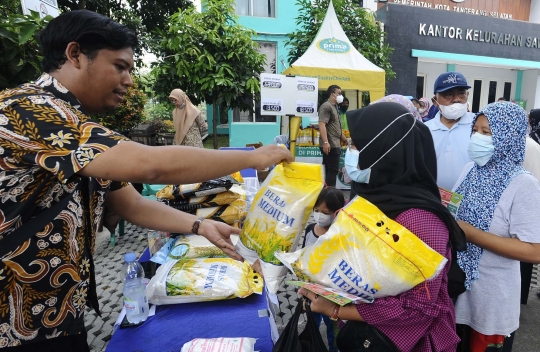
[{"x": 45, "y": 139}]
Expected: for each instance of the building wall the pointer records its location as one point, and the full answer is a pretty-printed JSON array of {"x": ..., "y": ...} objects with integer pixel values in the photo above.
[
  {"x": 534, "y": 16},
  {"x": 506, "y": 9},
  {"x": 402, "y": 25},
  {"x": 529, "y": 89}
]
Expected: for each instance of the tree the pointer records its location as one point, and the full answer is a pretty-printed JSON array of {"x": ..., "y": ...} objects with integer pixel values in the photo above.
[
  {"x": 21, "y": 57},
  {"x": 10, "y": 7},
  {"x": 211, "y": 57},
  {"x": 358, "y": 24}
]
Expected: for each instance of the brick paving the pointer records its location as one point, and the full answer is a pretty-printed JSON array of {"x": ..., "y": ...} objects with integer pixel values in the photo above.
[{"x": 109, "y": 261}]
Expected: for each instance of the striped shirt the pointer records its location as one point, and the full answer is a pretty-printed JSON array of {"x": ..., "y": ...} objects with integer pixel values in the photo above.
[{"x": 411, "y": 320}]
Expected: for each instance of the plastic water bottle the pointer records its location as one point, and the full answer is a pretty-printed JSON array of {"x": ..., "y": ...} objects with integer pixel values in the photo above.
[{"x": 134, "y": 291}]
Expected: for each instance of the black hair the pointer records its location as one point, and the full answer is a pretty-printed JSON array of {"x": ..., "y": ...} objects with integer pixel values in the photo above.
[
  {"x": 345, "y": 99},
  {"x": 414, "y": 100},
  {"x": 333, "y": 198},
  {"x": 332, "y": 89},
  {"x": 502, "y": 98},
  {"x": 90, "y": 30}
]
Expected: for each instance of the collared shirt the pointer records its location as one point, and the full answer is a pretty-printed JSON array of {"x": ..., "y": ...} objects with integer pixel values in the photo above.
[
  {"x": 46, "y": 137},
  {"x": 451, "y": 147},
  {"x": 328, "y": 113}
]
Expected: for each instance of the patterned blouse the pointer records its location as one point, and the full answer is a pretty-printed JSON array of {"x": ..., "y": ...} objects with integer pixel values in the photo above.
[
  {"x": 45, "y": 139},
  {"x": 413, "y": 320},
  {"x": 197, "y": 130}
]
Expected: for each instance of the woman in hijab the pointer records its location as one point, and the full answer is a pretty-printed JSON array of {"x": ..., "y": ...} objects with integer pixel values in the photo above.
[
  {"x": 499, "y": 214},
  {"x": 400, "y": 99},
  {"x": 424, "y": 108},
  {"x": 534, "y": 121},
  {"x": 189, "y": 124},
  {"x": 395, "y": 169}
]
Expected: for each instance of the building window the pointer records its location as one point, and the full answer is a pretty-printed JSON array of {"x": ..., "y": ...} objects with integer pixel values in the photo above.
[
  {"x": 477, "y": 95},
  {"x": 420, "y": 86},
  {"x": 507, "y": 90},
  {"x": 257, "y": 8},
  {"x": 492, "y": 94},
  {"x": 269, "y": 50}
]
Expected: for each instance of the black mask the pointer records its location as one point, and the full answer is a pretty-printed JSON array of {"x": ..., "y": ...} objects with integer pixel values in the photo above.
[{"x": 343, "y": 108}]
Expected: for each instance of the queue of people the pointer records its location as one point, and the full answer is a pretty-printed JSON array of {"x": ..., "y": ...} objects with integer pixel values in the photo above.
[
  {"x": 60, "y": 169},
  {"x": 492, "y": 159}
]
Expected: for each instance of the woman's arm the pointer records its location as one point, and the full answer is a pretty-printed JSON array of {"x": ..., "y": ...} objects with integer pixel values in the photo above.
[
  {"x": 322, "y": 305},
  {"x": 512, "y": 248}
]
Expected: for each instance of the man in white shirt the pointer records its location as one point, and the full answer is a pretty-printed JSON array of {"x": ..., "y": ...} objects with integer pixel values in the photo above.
[{"x": 451, "y": 127}]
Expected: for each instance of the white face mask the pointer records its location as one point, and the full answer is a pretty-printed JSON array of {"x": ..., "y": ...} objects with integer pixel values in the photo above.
[
  {"x": 339, "y": 99},
  {"x": 454, "y": 111},
  {"x": 422, "y": 110},
  {"x": 323, "y": 220}
]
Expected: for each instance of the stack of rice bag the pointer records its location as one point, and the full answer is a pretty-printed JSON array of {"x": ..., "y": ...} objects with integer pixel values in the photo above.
[
  {"x": 222, "y": 199},
  {"x": 308, "y": 137}
]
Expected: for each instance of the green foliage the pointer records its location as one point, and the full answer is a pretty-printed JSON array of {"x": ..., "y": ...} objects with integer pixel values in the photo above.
[
  {"x": 10, "y": 7},
  {"x": 21, "y": 58},
  {"x": 357, "y": 22},
  {"x": 130, "y": 112},
  {"x": 209, "y": 56},
  {"x": 159, "y": 110}
]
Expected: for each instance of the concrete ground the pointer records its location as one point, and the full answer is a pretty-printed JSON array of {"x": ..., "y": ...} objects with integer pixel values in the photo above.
[{"x": 109, "y": 261}]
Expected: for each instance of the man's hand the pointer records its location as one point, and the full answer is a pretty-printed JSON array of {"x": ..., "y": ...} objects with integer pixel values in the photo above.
[
  {"x": 326, "y": 148},
  {"x": 220, "y": 235},
  {"x": 269, "y": 155}
]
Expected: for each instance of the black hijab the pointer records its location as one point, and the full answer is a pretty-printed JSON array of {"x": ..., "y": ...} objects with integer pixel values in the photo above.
[
  {"x": 534, "y": 121},
  {"x": 405, "y": 177}
]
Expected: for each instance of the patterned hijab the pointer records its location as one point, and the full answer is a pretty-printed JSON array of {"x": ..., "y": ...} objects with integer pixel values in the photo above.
[
  {"x": 427, "y": 105},
  {"x": 483, "y": 186},
  {"x": 534, "y": 121},
  {"x": 400, "y": 99}
]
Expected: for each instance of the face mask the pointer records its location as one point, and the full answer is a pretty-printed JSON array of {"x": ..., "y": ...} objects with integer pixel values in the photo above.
[
  {"x": 343, "y": 109},
  {"x": 339, "y": 99},
  {"x": 352, "y": 156},
  {"x": 421, "y": 110},
  {"x": 454, "y": 111},
  {"x": 481, "y": 148},
  {"x": 323, "y": 220}
]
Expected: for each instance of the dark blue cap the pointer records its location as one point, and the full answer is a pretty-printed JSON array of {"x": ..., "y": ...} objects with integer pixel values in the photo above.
[{"x": 449, "y": 80}]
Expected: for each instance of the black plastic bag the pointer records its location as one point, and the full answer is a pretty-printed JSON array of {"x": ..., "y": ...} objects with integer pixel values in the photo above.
[{"x": 309, "y": 340}]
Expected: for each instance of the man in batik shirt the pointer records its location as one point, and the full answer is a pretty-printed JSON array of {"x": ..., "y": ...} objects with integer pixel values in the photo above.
[{"x": 51, "y": 152}]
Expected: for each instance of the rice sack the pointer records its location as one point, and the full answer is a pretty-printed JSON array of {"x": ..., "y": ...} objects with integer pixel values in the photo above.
[
  {"x": 278, "y": 215},
  {"x": 215, "y": 186},
  {"x": 195, "y": 246},
  {"x": 198, "y": 280},
  {"x": 366, "y": 254},
  {"x": 221, "y": 344},
  {"x": 235, "y": 193}
]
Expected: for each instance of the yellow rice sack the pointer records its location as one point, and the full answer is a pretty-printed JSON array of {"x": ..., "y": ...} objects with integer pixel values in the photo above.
[
  {"x": 199, "y": 280},
  {"x": 278, "y": 215},
  {"x": 235, "y": 193},
  {"x": 230, "y": 214},
  {"x": 195, "y": 246},
  {"x": 202, "y": 189},
  {"x": 366, "y": 254}
]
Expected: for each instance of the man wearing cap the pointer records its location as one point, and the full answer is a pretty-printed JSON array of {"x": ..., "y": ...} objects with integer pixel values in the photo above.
[{"x": 451, "y": 127}]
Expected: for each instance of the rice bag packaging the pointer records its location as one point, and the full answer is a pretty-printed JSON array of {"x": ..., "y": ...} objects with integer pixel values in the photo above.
[
  {"x": 222, "y": 344},
  {"x": 202, "y": 189},
  {"x": 195, "y": 246},
  {"x": 278, "y": 215},
  {"x": 235, "y": 193},
  {"x": 199, "y": 280},
  {"x": 366, "y": 254}
]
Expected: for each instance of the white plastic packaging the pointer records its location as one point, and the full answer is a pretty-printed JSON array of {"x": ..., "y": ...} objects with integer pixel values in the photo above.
[{"x": 222, "y": 344}]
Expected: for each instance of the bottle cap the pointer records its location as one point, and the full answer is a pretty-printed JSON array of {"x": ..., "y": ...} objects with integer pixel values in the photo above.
[{"x": 130, "y": 257}]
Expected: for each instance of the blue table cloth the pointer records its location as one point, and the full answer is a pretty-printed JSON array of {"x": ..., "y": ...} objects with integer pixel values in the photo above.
[{"x": 174, "y": 325}]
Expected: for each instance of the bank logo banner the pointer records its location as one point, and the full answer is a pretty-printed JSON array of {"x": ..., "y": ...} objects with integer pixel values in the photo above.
[{"x": 333, "y": 45}]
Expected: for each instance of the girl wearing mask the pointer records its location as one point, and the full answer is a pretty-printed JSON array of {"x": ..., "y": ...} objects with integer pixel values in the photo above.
[
  {"x": 498, "y": 214},
  {"x": 329, "y": 202},
  {"x": 394, "y": 168}
]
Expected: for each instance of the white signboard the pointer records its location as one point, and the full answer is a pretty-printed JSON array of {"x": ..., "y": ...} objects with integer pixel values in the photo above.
[
  {"x": 44, "y": 7},
  {"x": 282, "y": 95}
]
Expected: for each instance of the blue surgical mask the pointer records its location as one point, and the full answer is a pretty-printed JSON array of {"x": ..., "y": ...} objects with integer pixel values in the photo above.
[
  {"x": 481, "y": 148},
  {"x": 352, "y": 156}
]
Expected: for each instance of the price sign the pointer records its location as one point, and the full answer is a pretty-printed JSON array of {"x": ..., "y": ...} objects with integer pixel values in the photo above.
[
  {"x": 306, "y": 84},
  {"x": 271, "y": 81},
  {"x": 272, "y": 105},
  {"x": 305, "y": 107}
]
